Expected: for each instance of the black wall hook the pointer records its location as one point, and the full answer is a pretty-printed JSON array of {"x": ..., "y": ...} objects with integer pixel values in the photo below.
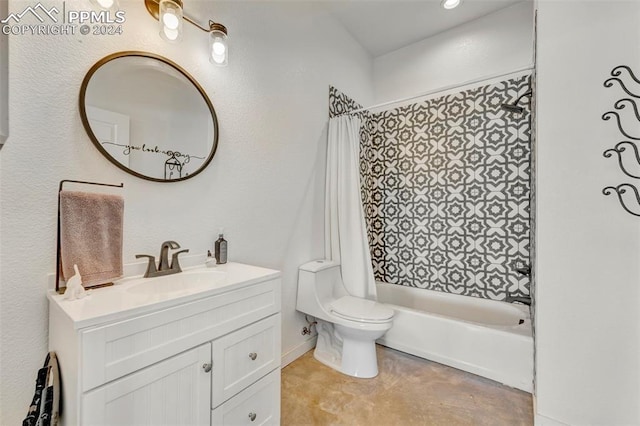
[
  {"x": 621, "y": 147},
  {"x": 620, "y": 190}
]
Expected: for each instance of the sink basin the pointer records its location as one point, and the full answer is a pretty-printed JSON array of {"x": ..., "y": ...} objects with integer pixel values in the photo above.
[{"x": 183, "y": 282}]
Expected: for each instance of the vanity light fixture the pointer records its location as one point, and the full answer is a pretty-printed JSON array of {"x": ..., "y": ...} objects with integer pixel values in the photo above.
[
  {"x": 169, "y": 14},
  {"x": 451, "y": 4},
  {"x": 218, "y": 44},
  {"x": 170, "y": 20}
]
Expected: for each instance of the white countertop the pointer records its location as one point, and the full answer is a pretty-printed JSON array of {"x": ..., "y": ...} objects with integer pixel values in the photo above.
[{"x": 134, "y": 296}]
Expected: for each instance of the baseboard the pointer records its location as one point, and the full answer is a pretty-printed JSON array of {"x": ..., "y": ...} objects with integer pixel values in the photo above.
[
  {"x": 540, "y": 420},
  {"x": 298, "y": 351}
]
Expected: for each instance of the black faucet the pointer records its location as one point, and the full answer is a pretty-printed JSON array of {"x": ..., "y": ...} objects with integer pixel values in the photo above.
[{"x": 163, "y": 268}]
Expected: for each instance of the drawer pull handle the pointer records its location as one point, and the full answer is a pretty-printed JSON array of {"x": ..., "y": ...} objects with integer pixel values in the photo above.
[
  {"x": 253, "y": 356},
  {"x": 252, "y": 416},
  {"x": 207, "y": 366}
]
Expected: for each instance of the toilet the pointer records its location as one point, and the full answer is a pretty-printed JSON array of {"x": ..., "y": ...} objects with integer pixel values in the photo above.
[{"x": 347, "y": 326}]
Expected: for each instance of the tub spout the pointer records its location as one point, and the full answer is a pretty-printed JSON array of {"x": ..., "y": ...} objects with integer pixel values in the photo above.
[{"x": 525, "y": 300}]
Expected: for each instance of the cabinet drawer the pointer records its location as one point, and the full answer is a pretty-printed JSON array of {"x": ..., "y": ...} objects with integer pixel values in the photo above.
[
  {"x": 257, "y": 405},
  {"x": 242, "y": 357},
  {"x": 114, "y": 350}
]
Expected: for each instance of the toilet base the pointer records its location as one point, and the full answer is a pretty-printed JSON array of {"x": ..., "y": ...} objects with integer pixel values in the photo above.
[
  {"x": 328, "y": 346},
  {"x": 347, "y": 350},
  {"x": 359, "y": 359}
]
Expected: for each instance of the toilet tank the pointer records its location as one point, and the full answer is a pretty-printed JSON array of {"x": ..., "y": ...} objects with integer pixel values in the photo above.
[{"x": 319, "y": 282}]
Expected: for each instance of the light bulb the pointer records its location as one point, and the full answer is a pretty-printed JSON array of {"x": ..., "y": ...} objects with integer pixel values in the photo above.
[
  {"x": 450, "y": 4},
  {"x": 105, "y": 4},
  {"x": 110, "y": 5},
  {"x": 171, "y": 34},
  {"x": 219, "y": 48},
  {"x": 170, "y": 20}
]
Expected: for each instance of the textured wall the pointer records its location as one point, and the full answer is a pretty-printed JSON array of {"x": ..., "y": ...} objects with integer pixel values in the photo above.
[
  {"x": 498, "y": 43},
  {"x": 588, "y": 274},
  {"x": 264, "y": 186},
  {"x": 4, "y": 80},
  {"x": 446, "y": 191}
]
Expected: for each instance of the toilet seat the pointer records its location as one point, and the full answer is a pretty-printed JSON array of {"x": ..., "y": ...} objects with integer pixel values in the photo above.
[{"x": 362, "y": 310}]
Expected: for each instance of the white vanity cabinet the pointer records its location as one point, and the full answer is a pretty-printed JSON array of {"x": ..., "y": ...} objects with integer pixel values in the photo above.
[{"x": 208, "y": 356}]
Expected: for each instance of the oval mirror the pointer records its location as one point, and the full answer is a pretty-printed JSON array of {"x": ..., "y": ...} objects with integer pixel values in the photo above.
[{"x": 148, "y": 116}]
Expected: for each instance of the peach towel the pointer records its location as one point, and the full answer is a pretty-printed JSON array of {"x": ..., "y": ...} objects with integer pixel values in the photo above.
[{"x": 91, "y": 236}]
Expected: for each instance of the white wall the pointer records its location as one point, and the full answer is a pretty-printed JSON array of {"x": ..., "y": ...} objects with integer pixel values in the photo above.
[
  {"x": 497, "y": 43},
  {"x": 264, "y": 186},
  {"x": 588, "y": 274}
]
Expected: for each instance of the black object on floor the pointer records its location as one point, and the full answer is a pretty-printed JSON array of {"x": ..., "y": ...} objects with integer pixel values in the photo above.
[{"x": 45, "y": 405}]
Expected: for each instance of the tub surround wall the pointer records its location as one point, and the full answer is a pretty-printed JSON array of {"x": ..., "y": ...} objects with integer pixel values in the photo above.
[
  {"x": 446, "y": 188},
  {"x": 264, "y": 186}
]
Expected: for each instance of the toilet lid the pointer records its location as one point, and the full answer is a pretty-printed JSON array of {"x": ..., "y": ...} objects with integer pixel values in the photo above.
[{"x": 356, "y": 308}]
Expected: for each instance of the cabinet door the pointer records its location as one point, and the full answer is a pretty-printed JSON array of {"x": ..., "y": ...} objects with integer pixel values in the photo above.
[{"x": 176, "y": 391}]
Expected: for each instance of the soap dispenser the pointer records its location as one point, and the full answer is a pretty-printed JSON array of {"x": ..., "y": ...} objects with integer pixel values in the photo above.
[{"x": 221, "y": 249}]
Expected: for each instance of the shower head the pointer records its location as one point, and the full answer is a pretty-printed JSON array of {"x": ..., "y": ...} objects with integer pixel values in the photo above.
[{"x": 514, "y": 106}]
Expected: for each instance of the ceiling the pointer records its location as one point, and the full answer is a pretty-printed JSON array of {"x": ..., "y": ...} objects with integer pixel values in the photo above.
[{"x": 382, "y": 26}]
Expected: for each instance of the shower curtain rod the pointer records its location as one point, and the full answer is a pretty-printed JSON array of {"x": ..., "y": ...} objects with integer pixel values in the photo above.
[{"x": 442, "y": 89}]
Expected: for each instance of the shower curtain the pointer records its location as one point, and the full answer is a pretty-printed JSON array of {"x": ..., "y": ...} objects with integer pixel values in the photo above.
[{"x": 345, "y": 229}]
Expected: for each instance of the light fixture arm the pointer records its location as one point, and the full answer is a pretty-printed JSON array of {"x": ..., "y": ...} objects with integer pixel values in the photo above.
[{"x": 212, "y": 25}]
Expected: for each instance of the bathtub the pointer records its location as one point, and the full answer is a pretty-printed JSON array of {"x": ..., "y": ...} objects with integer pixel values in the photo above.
[{"x": 489, "y": 338}]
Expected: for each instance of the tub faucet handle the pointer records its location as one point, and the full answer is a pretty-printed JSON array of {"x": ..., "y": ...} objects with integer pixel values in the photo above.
[
  {"x": 524, "y": 270},
  {"x": 525, "y": 300}
]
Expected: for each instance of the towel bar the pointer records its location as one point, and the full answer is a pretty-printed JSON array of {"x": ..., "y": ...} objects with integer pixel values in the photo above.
[{"x": 62, "y": 182}]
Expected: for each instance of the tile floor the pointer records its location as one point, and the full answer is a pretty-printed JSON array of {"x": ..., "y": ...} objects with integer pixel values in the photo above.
[{"x": 408, "y": 391}]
